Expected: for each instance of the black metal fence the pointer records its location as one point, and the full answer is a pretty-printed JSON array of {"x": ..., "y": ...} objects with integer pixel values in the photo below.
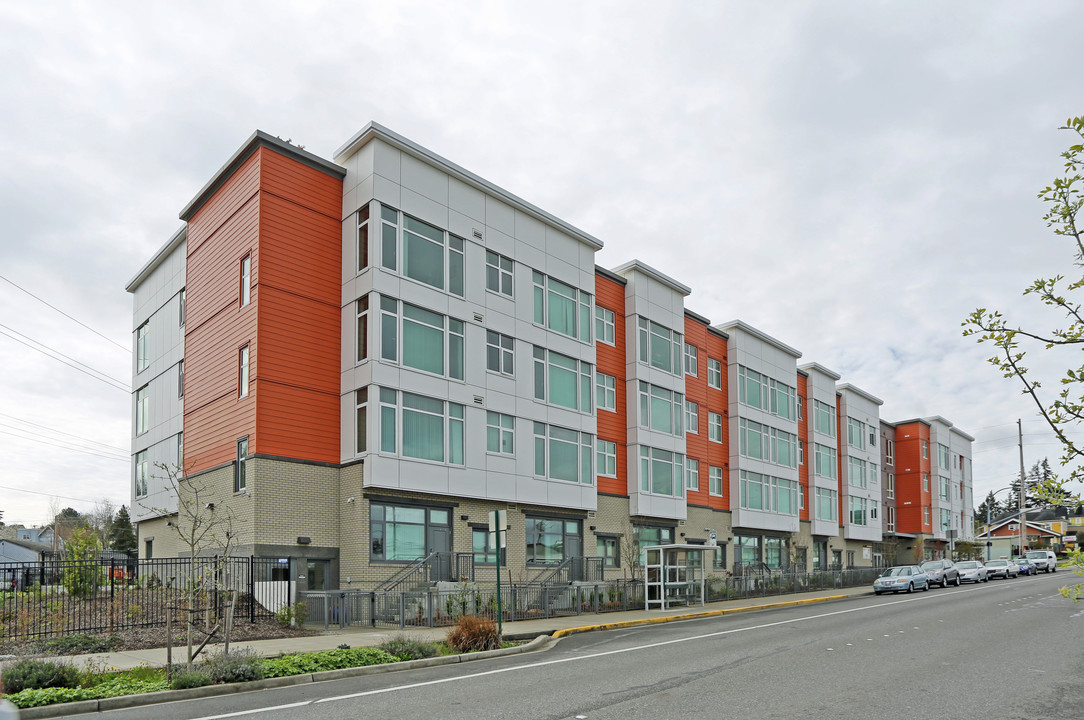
[
  {"x": 435, "y": 607},
  {"x": 59, "y": 597}
]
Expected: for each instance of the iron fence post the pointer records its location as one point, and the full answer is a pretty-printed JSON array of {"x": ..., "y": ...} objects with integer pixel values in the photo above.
[
  {"x": 402, "y": 610},
  {"x": 252, "y": 588},
  {"x": 372, "y": 609}
]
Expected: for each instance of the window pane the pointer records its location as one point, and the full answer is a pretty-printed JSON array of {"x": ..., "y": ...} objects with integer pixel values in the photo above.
[
  {"x": 564, "y": 454},
  {"x": 423, "y": 260},
  {"x": 562, "y": 381}
]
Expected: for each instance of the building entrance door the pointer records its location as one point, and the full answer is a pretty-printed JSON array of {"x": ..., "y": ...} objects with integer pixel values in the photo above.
[{"x": 439, "y": 547}]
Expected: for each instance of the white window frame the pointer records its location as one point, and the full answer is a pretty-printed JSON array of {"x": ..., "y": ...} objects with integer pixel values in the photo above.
[
  {"x": 361, "y": 329},
  {"x": 652, "y": 459},
  {"x": 242, "y": 372},
  {"x": 605, "y": 392},
  {"x": 143, "y": 357},
  {"x": 649, "y": 331},
  {"x": 856, "y": 472},
  {"x": 500, "y": 273},
  {"x": 501, "y": 349},
  {"x": 141, "y": 471},
  {"x": 715, "y": 373},
  {"x": 715, "y": 427},
  {"x": 692, "y": 474},
  {"x": 650, "y": 394},
  {"x": 824, "y": 416},
  {"x": 607, "y": 458},
  {"x": 246, "y": 280},
  {"x": 715, "y": 481},
  {"x": 544, "y": 438},
  {"x": 826, "y": 499},
  {"x": 692, "y": 354},
  {"x": 452, "y": 270},
  {"x": 546, "y": 287},
  {"x": 393, "y": 409},
  {"x": 605, "y": 325},
  {"x": 362, "y": 244},
  {"x": 543, "y": 367},
  {"x": 452, "y": 337},
  {"x": 361, "y": 420},
  {"x": 692, "y": 417},
  {"x": 856, "y": 433},
  {"x": 824, "y": 458},
  {"x": 502, "y": 428}
]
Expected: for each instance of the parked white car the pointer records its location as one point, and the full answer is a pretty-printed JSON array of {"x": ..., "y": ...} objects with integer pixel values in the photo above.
[
  {"x": 972, "y": 571},
  {"x": 1002, "y": 568}
]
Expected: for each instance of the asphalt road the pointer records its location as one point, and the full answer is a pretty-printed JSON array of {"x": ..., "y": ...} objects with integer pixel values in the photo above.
[{"x": 1005, "y": 649}]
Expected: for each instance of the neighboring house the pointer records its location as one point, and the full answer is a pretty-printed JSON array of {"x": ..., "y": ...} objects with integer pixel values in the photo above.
[
  {"x": 43, "y": 535},
  {"x": 1004, "y": 538},
  {"x": 360, "y": 358},
  {"x": 17, "y": 558}
]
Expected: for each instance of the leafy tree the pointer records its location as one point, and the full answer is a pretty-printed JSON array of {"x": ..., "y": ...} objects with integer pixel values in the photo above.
[
  {"x": 83, "y": 571},
  {"x": 1062, "y": 410},
  {"x": 122, "y": 537}
]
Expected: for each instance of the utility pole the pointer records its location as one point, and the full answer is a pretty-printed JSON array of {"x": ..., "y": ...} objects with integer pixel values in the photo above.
[{"x": 1023, "y": 517}]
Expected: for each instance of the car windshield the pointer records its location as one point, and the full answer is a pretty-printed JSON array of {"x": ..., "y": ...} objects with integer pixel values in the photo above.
[
  {"x": 931, "y": 565},
  {"x": 1036, "y": 555},
  {"x": 970, "y": 565},
  {"x": 996, "y": 563},
  {"x": 896, "y": 571}
]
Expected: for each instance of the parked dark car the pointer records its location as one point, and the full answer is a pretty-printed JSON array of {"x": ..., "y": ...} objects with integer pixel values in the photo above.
[
  {"x": 942, "y": 572},
  {"x": 1027, "y": 567}
]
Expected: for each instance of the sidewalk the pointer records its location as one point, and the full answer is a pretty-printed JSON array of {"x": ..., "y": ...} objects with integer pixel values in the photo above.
[{"x": 517, "y": 630}]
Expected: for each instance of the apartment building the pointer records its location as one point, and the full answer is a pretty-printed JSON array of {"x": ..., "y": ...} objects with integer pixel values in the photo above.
[{"x": 357, "y": 359}]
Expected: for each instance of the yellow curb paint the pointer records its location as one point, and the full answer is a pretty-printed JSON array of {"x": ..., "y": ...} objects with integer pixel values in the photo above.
[{"x": 692, "y": 616}]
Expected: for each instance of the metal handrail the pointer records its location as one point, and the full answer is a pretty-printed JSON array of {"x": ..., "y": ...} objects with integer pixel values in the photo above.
[{"x": 419, "y": 564}]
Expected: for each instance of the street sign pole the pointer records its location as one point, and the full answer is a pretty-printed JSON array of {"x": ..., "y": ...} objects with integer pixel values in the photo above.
[{"x": 498, "y": 535}]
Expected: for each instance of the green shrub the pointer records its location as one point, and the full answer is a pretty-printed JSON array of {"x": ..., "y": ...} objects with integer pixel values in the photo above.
[
  {"x": 237, "y": 666},
  {"x": 112, "y": 687},
  {"x": 38, "y": 674},
  {"x": 291, "y": 615},
  {"x": 77, "y": 644},
  {"x": 326, "y": 660},
  {"x": 184, "y": 678},
  {"x": 405, "y": 648},
  {"x": 474, "y": 633}
]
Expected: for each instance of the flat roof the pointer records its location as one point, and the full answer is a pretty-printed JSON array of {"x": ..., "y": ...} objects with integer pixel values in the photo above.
[
  {"x": 819, "y": 368},
  {"x": 745, "y": 327},
  {"x": 157, "y": 259},
  {"x": 640, "y": 266},
  {"x": 847, "y": 387},
  {"x": 375, "y": 130}
]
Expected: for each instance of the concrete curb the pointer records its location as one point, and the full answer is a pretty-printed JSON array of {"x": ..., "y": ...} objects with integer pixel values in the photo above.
[
  {"x": 694, "y": 616},
  {"x": 540, "y": 642}
]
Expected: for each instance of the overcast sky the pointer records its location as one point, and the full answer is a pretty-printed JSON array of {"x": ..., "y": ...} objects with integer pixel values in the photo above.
[{"x": 852, "y": 178}]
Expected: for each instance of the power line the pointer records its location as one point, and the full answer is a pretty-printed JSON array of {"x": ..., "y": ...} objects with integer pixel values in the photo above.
[
  {"x": 111, "y": 381},
  {"x": 63, "y": 443},
  {"x": 61, "y": 432},
  {"x": 36, "y": 492},
  {"x": 54, "y": 307},
  {"x": 66, "y": 447}
]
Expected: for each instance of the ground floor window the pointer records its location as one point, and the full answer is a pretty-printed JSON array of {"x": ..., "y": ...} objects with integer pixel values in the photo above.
[
  {"x": 553, "y": 540},
  {"x": 746, "y": 548},
  {"x": 820, "y": 554},
  {"x": 401, "y": 533},
  {"x": 484, "y": 552},
  {"x": 609, "y": 549},
  {"x": 647, "y": 535}
]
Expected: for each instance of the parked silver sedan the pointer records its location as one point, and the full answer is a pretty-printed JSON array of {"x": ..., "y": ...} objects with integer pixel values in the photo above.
[
  {"x": 972, "y": 571},
  {"x": 905, "y": 578},
  {"x": 1002, "y": 569}
]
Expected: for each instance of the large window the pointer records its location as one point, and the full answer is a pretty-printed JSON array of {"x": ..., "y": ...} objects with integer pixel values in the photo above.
[
  {"x": 856, "y": 472},
  {"x": 500, "y": 433},
  {"x": 690, "y": 359},
  {"x": 242, "y": 372},
  {"x": 943, "y": 456},
  {"x": 240, "y": 479},
  {"x": 607, "y": 458},
  {"x": 661, "y": 409},
  {"x": 715, "y": 481},
  {"x": 500, "y": 353},
  {"x": 758, "y": 390},
  {"x": 431, "y": 429},
  {"x": 143, "y": 408},
  {"x": 763, "y": 442},
  {"x": 824, "y": 418},
  {"x": 606, "y": 392},
  {"x": 482, "y": 547},
  {"x": 644, "y": 536},
  {"x": 562, "y": 454},
  {"x": 561, "y": 307},
  {"x": 552, "y": 540},
  {"x": 943, "y": 487},
  {"x": 425, "y": 340},
  {"x": 856, "y": 433},
  {"x": 608, "y": 548},
  {"x": 561, "y": 380},
  {"x": 361, "y": 311},
  {"x": 605, "y": 328},
  {"x": 402, "y": 533},
  {"x": 143, "y": 356},
  {"x": 429, "y": 255},
  {"x": 692, "y": 474},
  {"x": 827, "y": 504},
  {"x": 363, "y": 237},
  {"x": 715, "y": 374},
  {"x": 858, "y": 510},
  {"x": 946, "y": 520},
  {"x": 498, "y": 273},
  {"x": 764, "y": 492},
  {"x": 659, "y": 346},
  {"x": 141, "y": 468},
  {"x": 715, "y": 427},
  {"x": 824, "y": 461},
  {"x": 661, "y": 472}
]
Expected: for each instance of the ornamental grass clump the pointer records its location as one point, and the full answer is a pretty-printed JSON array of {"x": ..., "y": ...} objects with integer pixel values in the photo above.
[
  {"x": 39, "y": 674},
  {"x": 473, "y": 633},
  {"x": 406, "y": 648},
  {"x": 237, "y": 666}
]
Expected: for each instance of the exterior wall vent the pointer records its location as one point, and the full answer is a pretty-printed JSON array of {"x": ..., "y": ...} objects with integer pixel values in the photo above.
[
  {"x": 479, "y": 317},
  {"x": 479, "y": 400},
  {"x": 477, "y": 233}
]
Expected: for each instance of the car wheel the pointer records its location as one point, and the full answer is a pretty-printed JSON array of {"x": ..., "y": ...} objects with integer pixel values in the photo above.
[
  {"x": 926, "y": 587},
  {"x": 957, "y": 581},
  {"x": 910, "y": 588},
  {"x": 876, "y": 592}
]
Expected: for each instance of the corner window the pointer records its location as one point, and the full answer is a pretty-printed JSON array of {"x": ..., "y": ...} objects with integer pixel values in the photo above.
[
  {"x": 143, "y": 358},
  {"x": 239, "y": 480},
  {"x": 856, "y": 472},
  {"x": 500, "y": 433},
  {"x": 715, "y": 374},
  {"x": 772, "y": 494},
  {"x": 361, "y": 420},
  {"x": 858, "y": 511},
  {"x": 143, "y": 407},
  {"x": 563, "y": 454},
  {"x": 361, "y": 312},
  {"x": 182, "y": 307},
  {"x": 658, "y": 346},
  {"x": 824, "y": 418},
  {"x": 605, "y": 325},
  {"x": 431, "y": 429},
  {"x": 660, "y": 409},
  {"x": 246, "y": 279},
  {"x": 607, "y": 458},
  {"x": 422, "y": 338},
  {"x": 826, "y": 504},
  {"x": 363, "y": 237},
  {"x": 498, "y": 273},
  {"x": 242, "y": 372},
  {"x": 561, "y": 307},
  {"x": 141, "y": 468},
  {"x": 856, "y": 433},
  {"x": 561, "y": 380},
  {"x": 824, "y": 461}
]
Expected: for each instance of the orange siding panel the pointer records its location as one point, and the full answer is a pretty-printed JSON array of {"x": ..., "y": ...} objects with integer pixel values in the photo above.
[
  {"x": 611, "y": 361},
  {"x": 803, "y": 437}
]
